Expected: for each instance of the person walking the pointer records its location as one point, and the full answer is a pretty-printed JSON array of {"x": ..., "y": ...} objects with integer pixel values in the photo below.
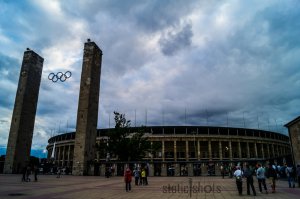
[
  {"x": 36, "y": 170},
  {"x": 58, "y": 172},
  {"x": 28, "y": 172},
  {"x": 238, "y": 174},
  {"x": 272, "y": 176},
  {"x": 127, "y": 179},
  {"x": 260, "y": 174},
  {"x": 290, "y": 174},
  {"x": 146, "y": 176},
  {"x": 24, "y": 170},
  {"x": 248, "y": 173}
]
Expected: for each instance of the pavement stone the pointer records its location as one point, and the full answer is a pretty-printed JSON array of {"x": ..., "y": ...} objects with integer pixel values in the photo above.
[{"x": 98, "y": 187}]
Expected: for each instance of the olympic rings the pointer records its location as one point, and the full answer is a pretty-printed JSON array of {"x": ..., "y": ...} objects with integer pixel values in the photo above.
[{"x": 59, "y": 76}]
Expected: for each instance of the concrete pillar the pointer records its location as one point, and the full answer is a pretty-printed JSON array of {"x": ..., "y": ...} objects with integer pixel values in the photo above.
[
  {"x": 175, "y": 151},
  {"x": 63, "y": 158},
  {"x": 151, "y": 169},
  {"x": 98, "y": 156},
  {"x": 248, "y": 150},
  {"x": 23, "y": 117},
  {"x": 177, "y": 170},
  {"x": 187, "y": 150},
  {"x": 151, "y": 152},
  {"x": 230, "y": 150},
  {"x": 102, "y": 169},
  {"x": 273, "y": 151},
  {"x": 198, "y": 151},
  {"x": 58, "y": 156},
  {"x": 209, "y": 150},
  {"x": 163, "y": 150},
  {"x": 163, "y": 169},
  {"x": 190, "y": 169},
  {"x": 69, "y": 151},
  {"x": 218, "y": 169},
  {"x": 255, "y": 150},
  {"x": 203, "y": 169},
  {"x": 240, "y": 149},
  {"x": 262, "y": 150},
  {"x": 220, "y": 151},
  {"x": 268, "y": 150},
  {"x": 87, "y": 113}
]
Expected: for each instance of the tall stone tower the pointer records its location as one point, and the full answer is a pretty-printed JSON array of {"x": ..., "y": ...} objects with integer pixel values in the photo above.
[
  {"x": 22, "y": 122},
  {"x": 294, "y": 134},
  {"x": 87, "y": 114}
]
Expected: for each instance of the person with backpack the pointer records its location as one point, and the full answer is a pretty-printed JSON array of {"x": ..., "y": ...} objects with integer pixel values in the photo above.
[
  {"x": 260, "y": 174},
  {"x": 272, "y": 176},
  {"x": 248, "y": 174},
  {"x": 127, "y": 179},
  {"x": 136, "y": 173},
  {"x": 290, "y": 174},
  {"x": 238, "y": 174}
]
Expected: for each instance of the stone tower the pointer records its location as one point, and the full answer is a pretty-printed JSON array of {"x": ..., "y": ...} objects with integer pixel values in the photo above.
[
  {"x": 22, "y": 122},
  {"x": 294, "y": 134},
  {"x": 87, "y": 113}
]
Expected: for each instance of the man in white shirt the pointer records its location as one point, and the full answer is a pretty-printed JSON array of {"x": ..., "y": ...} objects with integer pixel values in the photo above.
[{"x": 238, "y": 174}]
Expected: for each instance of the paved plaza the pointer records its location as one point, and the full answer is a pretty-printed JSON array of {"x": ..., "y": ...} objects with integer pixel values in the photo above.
[{"x": 96, "y": 187}]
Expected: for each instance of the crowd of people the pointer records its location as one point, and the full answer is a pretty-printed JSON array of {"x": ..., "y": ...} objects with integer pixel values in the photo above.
[
  {"x": 266, "y": 175},
  {"x": 29, "y": 170},
  {"x": 140, "y": 177}
]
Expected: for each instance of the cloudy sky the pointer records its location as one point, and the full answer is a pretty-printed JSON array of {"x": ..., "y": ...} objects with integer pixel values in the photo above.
[{"x": 197, "y": 62}]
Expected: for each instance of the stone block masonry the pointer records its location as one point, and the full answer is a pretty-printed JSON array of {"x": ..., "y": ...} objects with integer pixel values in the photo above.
[
  {"x": 23, "y": 118},
  {"x": 87, "y": 114}
]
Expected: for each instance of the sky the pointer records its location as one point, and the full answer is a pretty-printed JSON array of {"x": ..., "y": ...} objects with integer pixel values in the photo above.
[{"x": 197, "y": 62}]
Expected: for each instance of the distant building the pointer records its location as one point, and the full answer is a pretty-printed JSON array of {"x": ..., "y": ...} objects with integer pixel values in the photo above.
[
  {"x": 186, "y": 150},
  {"x": 294, "y": 134}
]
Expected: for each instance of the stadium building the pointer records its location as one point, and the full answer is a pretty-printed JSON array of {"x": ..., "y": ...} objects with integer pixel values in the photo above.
[{"x": 184, "y": 150}]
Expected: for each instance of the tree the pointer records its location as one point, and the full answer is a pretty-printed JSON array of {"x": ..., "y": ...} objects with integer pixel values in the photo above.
[{"x": 127, "y": 145}]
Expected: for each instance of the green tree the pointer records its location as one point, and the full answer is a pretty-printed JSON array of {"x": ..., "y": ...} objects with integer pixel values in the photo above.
[{"x": 125, "y": 144}]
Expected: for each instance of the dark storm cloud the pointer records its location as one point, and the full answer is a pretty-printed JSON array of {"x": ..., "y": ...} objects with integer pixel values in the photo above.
[
  {"x": 156, "y": 15},
  {"x": 150, "y": 16},
  {"x": 173, "y": 42},
  {"x": 248, "y": 71}
]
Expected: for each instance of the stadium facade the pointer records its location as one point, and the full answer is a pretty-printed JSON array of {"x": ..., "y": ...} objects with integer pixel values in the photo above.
[{"x": 184, "y": 150}]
